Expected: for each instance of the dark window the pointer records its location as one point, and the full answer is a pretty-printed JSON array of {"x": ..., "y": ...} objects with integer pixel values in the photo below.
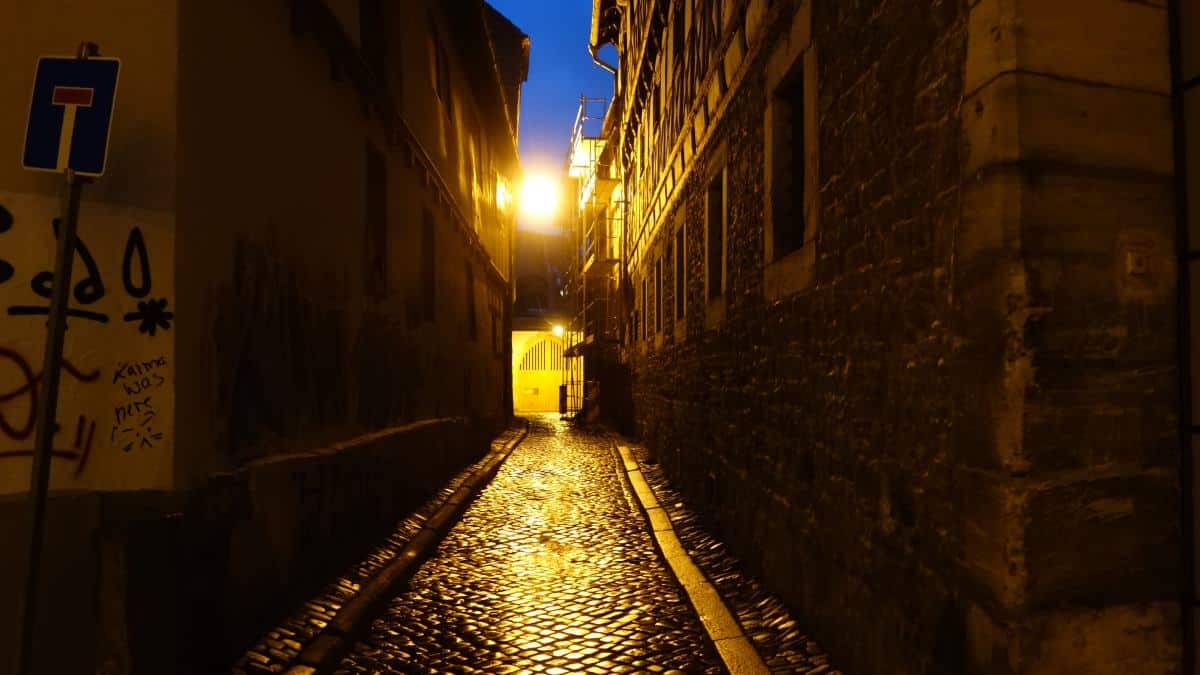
[
  {"x": 715, "y": 216},
  {"x": 376, "y": 225},
  {"x": 299, "y": 17},
  {"x": 441, "y": 66},
  {"x": 472, "y": 327},
  {"x": 372, "y": 32},
  {"x": 788, "y": 170},
  {"x": 498, "y": 325},
  {"x": 677, "y": 34},
  {"x": 428, "y": 267},
  {"x": 680, "y": 273},
  {"x": 645, "y": 310},
  {"x": 658, "y": 296},
  {"x": 656, "y": 110}
]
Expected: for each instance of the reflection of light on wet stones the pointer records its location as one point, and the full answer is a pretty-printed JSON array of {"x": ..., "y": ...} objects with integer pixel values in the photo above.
[
  {"x": 548, "y": 568},
  {"x": 295, "y": 632}
]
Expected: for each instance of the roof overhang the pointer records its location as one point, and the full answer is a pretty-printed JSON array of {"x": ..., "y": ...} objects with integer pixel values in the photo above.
[{"x": 606, "y": 22}]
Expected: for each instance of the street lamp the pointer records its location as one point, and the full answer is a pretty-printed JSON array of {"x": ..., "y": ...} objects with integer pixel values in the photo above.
[{"x": 539, "y": 203}]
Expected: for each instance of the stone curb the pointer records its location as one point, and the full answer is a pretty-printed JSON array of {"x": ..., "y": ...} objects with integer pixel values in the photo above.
[
  {"x": 327, "y": 649},
  {"x": 733, "y": 646}
]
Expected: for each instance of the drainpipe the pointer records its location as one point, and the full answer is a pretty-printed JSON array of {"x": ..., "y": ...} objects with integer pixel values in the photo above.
[
  {"x": 594, "y": 50},
  {"x": 1188, "y": 590}
]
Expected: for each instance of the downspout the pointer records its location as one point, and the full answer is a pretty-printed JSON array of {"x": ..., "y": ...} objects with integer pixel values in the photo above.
[
  {"x": 1183, "y": 317},
  {"x": 594, "y": 50}
]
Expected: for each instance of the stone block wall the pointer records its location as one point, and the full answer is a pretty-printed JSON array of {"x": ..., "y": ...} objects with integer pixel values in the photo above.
[{"x": 954, "y": 450}]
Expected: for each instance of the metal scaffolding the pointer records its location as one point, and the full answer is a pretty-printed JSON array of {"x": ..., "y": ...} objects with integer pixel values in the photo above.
[{"x": 594, "y": 232}]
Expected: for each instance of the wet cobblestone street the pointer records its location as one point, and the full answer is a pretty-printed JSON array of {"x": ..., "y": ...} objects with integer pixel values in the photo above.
[{"x": 550, "y": 570}]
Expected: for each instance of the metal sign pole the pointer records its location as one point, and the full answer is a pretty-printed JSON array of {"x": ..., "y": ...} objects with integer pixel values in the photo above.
[{"x": 56, "y": 327}]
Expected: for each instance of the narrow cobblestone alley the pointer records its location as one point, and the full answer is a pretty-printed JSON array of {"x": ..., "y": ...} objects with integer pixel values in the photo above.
[{"x": 551, "y": 570}]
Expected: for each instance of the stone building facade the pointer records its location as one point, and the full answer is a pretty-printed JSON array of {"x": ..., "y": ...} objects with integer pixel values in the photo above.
[
  {"x": 903, "y": 311},
  {"x": 292, "y": 300}
]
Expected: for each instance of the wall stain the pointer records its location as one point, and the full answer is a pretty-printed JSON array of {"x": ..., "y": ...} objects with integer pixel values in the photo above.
[{"x": 280, "y": 356}]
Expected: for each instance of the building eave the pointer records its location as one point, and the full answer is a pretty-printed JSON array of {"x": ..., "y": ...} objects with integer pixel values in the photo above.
[{"x": 606, "y": 22}]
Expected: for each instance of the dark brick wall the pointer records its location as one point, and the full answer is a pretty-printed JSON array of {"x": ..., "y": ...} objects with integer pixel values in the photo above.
[{"x": 822, "y": 430}]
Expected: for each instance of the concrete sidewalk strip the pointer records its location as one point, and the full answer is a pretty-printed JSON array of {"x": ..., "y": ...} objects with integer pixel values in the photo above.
[
  {"x": 310, "y": 640},
  {"x": 775, "y": 634},
  {"x": 734, "y": 647}
]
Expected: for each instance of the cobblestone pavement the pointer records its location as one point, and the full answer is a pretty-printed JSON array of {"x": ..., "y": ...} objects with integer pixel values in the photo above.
[
  {"x": 776, "y": 635},
  {"x": 280, "y": 646},
  {"x": 551, "y": 570}
]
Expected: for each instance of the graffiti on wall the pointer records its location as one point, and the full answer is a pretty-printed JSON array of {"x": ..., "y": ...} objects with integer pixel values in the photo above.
[
  {"x": 151, "y": 314},
  {"x": 6, "y": 268},
  {"x": 19, "y": 408},
  {"x": 114, "y": 377},
  {"x": 269, "y": 323},
  {"x": 89, "y": 287},
  {"x": 133, "y": 418}
]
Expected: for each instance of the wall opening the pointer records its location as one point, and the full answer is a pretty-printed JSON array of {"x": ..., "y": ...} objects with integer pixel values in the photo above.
[{"x": 539, "y": 367}]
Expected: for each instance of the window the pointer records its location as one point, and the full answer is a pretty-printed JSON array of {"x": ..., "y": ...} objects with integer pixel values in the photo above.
[
  {"x": 658, "y": 296},
  {"x": 496, "y": 309},
  {"x": 645, "y": 309},
  {"x": 655, "y": 110},
  {"x": 680, "y": 273},
  {"x": 495, "y": 332},
  {"x": 677, "y": 35},
  {"x": 428, "y": 267},
  {"x": 791, "y": 217},
  {"x": 715, "y": 204},
  {"x": 472, "y": 326},
  {"x": 375, "y": 244},
  {"x": 441, "y": 66},
  {"x": 788, "y": 165},
  {"x": 373, "y": 35}
]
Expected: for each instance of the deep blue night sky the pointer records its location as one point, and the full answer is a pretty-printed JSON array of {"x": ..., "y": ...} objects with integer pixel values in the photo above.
[{"x": 560, "y": 70}]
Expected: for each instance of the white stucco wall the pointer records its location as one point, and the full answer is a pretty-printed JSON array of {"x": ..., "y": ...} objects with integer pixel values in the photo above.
[
  {"x": 116, "y": 402},
  {"x": 121, "y": 391}
]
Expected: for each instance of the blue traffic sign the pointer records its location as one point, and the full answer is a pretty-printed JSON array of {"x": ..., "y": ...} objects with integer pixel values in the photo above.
[{"x": 70, "y": 114}]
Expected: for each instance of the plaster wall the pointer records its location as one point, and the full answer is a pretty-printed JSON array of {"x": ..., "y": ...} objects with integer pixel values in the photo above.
[
  {"x": 117, "y": 399},
  {"x": 290, "y": 347}
]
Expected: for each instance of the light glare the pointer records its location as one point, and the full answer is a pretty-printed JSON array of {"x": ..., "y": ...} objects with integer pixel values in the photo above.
[{"x": 540, "y": 197}]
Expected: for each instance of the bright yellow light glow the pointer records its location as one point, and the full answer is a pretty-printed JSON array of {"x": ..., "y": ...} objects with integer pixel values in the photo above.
[
  {"x": 558, "y": 330},
  {"x": 503, "y": 196},
  {"x": 540, "y": 197}
]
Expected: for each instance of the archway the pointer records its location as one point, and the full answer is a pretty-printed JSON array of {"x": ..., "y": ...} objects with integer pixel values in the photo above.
[{"x": 538, "y": 372}]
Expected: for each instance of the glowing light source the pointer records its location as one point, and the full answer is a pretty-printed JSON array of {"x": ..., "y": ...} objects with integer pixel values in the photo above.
[
  {"x": 540, "y": 197},
  {"x": 557, "y": 330},
  {"x": 503, "y": 196}
]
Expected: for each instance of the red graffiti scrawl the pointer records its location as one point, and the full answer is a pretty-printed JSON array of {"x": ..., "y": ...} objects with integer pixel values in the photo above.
[{"x": 22, "y": 429}]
